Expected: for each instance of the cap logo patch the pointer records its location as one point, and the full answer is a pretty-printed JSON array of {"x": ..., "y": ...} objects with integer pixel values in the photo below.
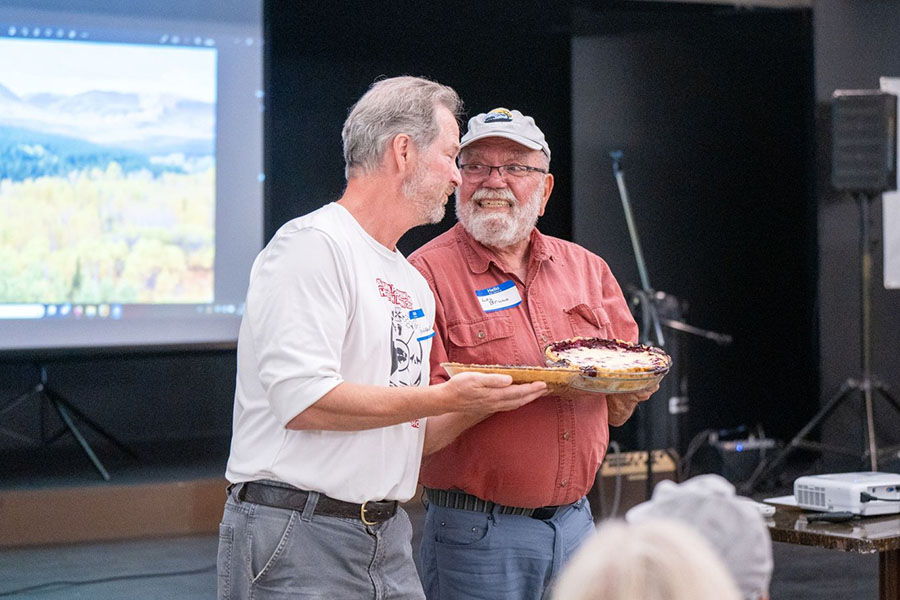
[{"x": 498, "y": 114}]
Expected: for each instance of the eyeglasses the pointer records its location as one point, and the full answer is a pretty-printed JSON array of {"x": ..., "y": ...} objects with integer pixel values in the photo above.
[{"x": 484, "y": 171}]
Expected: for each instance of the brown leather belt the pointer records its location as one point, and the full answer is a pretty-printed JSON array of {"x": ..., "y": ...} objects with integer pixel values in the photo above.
[
  {"x": 464, "y": 501},
  {"x": 292, "y": 498}
]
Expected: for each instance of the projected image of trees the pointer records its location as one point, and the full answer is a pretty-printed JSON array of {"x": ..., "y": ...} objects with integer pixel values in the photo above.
[{"x": 107, "y": 172}]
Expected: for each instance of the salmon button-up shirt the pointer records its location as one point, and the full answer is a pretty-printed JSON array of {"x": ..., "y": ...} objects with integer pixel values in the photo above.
[{"x": 546, "y": 452}]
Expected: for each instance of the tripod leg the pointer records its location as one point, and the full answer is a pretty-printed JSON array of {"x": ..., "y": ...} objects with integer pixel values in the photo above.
[
  {"x": 870, "y": 426},
  {"x": 15, "y": 435},
  {"x": 881, "y": 389},
  {"x": 70, "y": 425},
  {"x": 8, "y": 407},
  {"x": 765, "y": 468},
  {"x": 883, "y": 453},
  {"x": 16, "y": 401},
  {"x": 58, "y": 400}
]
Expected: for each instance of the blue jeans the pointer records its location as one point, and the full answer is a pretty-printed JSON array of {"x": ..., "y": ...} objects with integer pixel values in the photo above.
[
  {"x": 469, "y": 555},
  {"x": 270, "y": 553}
]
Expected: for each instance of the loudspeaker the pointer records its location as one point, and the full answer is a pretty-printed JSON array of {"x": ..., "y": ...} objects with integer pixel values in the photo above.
[{"x": 864, "y": 141}]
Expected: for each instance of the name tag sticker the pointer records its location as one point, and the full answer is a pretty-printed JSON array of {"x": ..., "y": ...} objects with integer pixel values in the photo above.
[
  {"x": 499, "y": 297},
  {"x": 423, "y": 330}
]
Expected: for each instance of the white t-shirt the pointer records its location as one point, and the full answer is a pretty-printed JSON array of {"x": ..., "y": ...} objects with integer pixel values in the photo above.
[{"x": 326, "y": 304}]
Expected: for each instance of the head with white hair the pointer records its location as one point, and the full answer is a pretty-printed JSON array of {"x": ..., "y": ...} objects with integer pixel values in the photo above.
[
  {"x": 731, "y": 523},
  {"x": 506, "y": 181},
  {"x": 656, "y": 559}
]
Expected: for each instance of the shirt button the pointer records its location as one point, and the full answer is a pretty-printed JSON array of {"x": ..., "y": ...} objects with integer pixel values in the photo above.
[
  {"x": 543, "y": 338},
  {"x": 566, "y": 435},
  {"x": 480, "y": 334},
  {"x": 563, "y": 483}
]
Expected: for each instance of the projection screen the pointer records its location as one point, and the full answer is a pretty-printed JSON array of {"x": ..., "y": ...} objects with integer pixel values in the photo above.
[{"x": 131, "y": 172}]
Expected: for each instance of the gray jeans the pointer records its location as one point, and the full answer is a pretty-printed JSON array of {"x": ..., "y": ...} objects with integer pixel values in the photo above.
[{"x": 270, "y": 553}]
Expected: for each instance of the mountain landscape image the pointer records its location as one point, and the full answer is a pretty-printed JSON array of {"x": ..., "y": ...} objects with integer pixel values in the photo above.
[{"x": 106, "y": 195}]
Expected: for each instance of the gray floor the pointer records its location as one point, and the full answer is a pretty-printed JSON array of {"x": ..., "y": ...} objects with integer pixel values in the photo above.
[
  {"x": 160, "y": 569},
  {"x": 184, "y": 567}
]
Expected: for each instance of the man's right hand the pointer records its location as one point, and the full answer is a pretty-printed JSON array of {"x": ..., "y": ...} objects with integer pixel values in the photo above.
[{"x": 483, "y": 393}]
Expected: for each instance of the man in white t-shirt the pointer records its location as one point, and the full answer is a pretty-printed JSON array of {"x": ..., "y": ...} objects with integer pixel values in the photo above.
[{"x": 332, "y": 409}]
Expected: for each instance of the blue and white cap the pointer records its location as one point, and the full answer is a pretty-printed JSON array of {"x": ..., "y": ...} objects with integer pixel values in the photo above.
[{"x": 509, "y": 124}]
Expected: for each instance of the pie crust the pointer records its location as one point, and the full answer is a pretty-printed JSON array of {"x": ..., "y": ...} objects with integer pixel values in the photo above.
[{"x": 555, "y": 376}]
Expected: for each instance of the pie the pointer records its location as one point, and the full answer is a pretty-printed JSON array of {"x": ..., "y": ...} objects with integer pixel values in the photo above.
[
  {"x": 587, "y": 364},
  {"x": 609, "y": 365},
  {"x": 597, "y": 356}
]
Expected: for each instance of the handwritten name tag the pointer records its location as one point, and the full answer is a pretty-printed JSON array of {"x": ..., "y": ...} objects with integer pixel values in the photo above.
[
  {"x": 499, "y": 297},
  {"x": 423, "y": 330}
]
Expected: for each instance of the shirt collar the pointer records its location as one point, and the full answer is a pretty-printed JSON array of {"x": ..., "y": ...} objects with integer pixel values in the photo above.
[{"x": 480, "y": 257}]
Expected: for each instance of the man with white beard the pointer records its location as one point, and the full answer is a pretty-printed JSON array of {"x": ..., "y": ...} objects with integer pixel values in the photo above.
[{"x": 506, "y": 499}]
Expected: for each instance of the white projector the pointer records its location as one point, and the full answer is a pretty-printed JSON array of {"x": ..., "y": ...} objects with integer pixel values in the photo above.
[{"x": 864, "y": 493}]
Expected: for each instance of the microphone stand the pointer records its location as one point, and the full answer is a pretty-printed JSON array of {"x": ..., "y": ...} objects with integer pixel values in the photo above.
[
  {"x": 652, "y": 330},
  {"x": 651, "y": 313}
]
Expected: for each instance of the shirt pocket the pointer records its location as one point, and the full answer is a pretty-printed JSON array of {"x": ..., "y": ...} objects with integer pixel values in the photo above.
[
  {"x": 488, "y": 340},
  {"x": 588, "y": 321}
]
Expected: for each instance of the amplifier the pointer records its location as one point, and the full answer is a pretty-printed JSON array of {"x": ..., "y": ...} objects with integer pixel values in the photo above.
[
  {"x": 736, "y": 460},
  {"x": 629, "y": 471},
  {"x": 634, "y": 464}
]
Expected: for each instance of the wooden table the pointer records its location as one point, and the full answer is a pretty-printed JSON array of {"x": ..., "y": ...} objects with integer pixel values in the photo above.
[{"x": 865, "y": 535}]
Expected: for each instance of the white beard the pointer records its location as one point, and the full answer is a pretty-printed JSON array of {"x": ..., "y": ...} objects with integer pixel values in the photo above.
[{"x": 499, "y": 229}]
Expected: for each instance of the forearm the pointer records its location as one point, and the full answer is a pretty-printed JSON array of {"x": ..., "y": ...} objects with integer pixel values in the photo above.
[
  {"x": 354, "y": 407},
  {"x": 441, "y": 430}
]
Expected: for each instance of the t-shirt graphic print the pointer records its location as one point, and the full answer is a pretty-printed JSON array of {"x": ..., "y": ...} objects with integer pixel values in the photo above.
[{"x": 409, "y": 330}]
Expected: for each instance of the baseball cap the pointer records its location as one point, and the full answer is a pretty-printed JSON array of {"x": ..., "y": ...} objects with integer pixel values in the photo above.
[
  {"x": 505, "y": 123},
  {"x": 731, "y": 523}
]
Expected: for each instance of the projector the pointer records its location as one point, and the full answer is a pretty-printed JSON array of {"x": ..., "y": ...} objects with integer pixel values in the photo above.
[{"x": 864, "y": 493}]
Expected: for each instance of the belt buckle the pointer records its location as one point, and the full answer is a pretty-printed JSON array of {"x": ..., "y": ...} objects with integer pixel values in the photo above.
[{"x": 362, "y": 514}]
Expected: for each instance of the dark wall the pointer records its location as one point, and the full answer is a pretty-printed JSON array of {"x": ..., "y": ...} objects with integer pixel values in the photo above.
[
  {"x": 713, "y": 110},
  {"x": 321, "y": 60}
]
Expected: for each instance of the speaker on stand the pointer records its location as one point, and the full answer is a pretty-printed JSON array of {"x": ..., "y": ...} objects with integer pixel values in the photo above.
[{"x": 864, "y": 164}]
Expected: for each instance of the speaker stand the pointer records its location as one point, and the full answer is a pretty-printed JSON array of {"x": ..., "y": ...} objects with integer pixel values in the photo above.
[
  {"x": 67, "y": 413},
  {"x": 863, "y": 387}
]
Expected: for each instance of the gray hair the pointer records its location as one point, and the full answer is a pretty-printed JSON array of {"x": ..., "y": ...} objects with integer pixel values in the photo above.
[{"x": 391, "y": 107}]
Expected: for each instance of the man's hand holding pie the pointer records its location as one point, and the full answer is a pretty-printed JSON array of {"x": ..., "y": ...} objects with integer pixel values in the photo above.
[
  {"x": 621, "y": 406},
  {"x": 482, "y": 393}
]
